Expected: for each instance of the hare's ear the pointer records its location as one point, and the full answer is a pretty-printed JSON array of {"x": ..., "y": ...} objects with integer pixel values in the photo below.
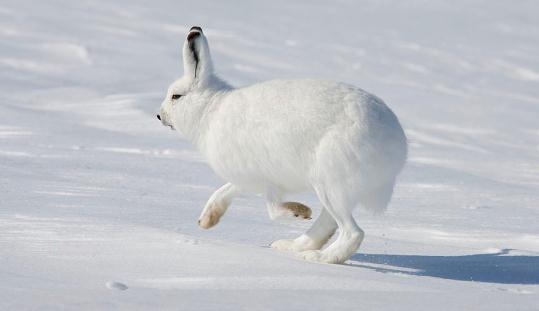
[{"x": 197, "y": 62}]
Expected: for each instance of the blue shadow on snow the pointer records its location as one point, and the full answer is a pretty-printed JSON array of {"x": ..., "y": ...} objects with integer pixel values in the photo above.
[{"x": 490, "y": 268}]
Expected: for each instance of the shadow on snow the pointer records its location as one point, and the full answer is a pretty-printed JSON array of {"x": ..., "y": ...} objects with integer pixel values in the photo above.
[{"x": 490, "y": 268}]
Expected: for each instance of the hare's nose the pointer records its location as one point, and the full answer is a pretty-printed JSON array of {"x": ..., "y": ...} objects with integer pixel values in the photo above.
[{"x": 159, "y": 117}]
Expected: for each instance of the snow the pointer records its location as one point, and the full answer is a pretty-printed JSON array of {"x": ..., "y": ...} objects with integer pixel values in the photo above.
[{"x": 99, "y": 203}]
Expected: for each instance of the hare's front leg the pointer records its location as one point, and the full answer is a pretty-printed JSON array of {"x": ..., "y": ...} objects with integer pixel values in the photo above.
[
  {"x": 277, "y": 208},
  {"x": 217, "y": 205},
  {"x": 320, "y": 232}
]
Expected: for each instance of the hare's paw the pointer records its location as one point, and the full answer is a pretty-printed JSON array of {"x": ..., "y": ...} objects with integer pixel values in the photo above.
[
  {"x": 211, "y": 215},
  {"x": 297, "y": 209},
  {"x": 300, "y": 244},
  {"x": 283, "y": 245},
  {"x": 217, "y": 205},
  {"x": 321, "y": 257},
  {"x": 339, "y": 251},
  {"x": 311, "y": 255}
]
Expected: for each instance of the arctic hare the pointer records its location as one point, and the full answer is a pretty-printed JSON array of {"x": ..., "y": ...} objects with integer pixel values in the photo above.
[{"x": 287, "y": 136}]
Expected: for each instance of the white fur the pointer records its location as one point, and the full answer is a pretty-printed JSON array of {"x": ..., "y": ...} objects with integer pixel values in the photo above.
[{"x": 286, "y": 136}]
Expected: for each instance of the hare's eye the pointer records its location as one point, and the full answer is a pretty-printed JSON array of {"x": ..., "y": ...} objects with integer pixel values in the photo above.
[{"x": 176, "y": 96}]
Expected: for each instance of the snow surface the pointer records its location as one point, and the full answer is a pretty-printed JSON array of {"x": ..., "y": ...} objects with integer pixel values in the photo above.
[{"x": 99, "y": 202}]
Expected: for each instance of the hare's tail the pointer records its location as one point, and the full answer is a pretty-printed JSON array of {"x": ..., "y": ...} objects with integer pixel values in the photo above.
[{"x": 376, "y": 200}]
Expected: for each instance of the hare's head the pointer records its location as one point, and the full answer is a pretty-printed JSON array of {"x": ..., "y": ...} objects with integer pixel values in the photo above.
[{"x": 197, "y": 76}]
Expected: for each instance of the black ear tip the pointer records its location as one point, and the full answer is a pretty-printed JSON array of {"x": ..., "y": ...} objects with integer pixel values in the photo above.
[
  {"x": 195, "y": 28},
  {"x": 192, "y": 35}
]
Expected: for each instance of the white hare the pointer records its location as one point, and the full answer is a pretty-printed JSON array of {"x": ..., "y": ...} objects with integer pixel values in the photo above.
[{"x": 287, "y": 136}]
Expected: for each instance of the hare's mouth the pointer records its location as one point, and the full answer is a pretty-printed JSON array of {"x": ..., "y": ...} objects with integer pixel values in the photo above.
[{"x": 164, "y": 123}]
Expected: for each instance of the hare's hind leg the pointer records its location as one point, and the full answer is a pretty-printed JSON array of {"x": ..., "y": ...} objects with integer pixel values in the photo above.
[
  {"x": 319, "y": 233},
  {"x": 339, "y": 206},
  {"x": 217, "y": 205}
]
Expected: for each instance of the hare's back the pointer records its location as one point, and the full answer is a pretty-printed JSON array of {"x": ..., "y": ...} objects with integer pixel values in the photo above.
[
  {"x": 305, "y": 106},
  {"x": 270, "y": 131}
]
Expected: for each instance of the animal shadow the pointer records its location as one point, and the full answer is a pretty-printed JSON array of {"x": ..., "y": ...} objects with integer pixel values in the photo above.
[{"x": 498, "y": 267}]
